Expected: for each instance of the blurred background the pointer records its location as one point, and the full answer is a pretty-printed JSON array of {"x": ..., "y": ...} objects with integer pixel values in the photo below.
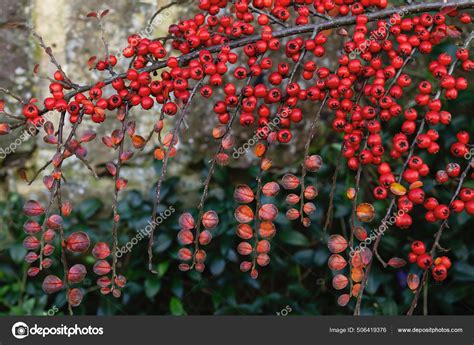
[{"x": 297, "y": 281}]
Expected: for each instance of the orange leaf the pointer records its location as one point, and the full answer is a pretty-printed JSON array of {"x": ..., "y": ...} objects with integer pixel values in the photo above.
[{"x": 138, "y": 141}]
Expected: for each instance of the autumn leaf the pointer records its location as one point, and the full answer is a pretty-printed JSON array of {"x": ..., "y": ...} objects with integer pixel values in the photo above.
[
  {"x": 454, "y": 31},
  {"x": 91, "y": 61},
  {"x": 91, "y": 14},
  {"x": 396, "y": 262},
  {"x": 138, "y": 141},
  {"x": 104, "y": 13}
]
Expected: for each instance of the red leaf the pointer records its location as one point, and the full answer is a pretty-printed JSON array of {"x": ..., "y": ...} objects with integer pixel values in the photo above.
[
  {"x": 107, "y": 141},
  {"x": 131, "y": 128},
  {"x": 343, "y": 300},
  {"x": 91, "y": 14},
  {"x": 87, "y": 136},
  {"x": 22, "y": 174},
  {"x": 337, "y": 244},
  {"x": 454, "y": 31},
  {"x": 2, "y": 104},
  {"x": 104, "y": 13},
  {"x": 48, "y": 181},
  {"x": 396, "y": 262},
  {"x": 33, "y": 208},
  {"x": 91, "y": 61},
  {"x": 50, "y": 139},
  {"x": 125, "y": 156},
  {"x": 111, "y": 168},
  {"x": 48, "y": 127},
  {"x": 121, "y": 183}
]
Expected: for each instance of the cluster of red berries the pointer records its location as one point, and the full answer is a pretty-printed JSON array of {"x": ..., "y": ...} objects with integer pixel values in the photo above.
[
  {"x": 439, "y": 267},
  {"x": 460, "y": 147},
  {"x": 191, "y": 234}
]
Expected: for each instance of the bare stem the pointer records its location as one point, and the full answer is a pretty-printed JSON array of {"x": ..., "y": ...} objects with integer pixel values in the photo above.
[{"x": 157, "y": 200}]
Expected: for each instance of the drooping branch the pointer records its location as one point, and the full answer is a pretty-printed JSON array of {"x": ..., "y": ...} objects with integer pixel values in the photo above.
[
  {"x": 117, "y": 187},
  {"x": 312, "y": 133},
  {"x": 157, "y": 200},
  {"x": 392, "y": 203},
  {"x": 437, "y": 237},
  {"x": 290, "y": 31}
]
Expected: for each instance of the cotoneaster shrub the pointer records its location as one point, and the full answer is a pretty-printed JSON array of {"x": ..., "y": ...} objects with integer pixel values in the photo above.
[{"x": 258, "y": 62}]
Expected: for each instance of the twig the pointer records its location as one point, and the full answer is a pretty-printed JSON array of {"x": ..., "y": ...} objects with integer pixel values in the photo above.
[
  {"x": 312, "y": 133},
  {"x": 11, "y": 94},
  {"x": 39, "y": 172},
  {"x": 49, "y": 52},
  {"x": 163, "y": 174},
  {"x": 116, "y": 216},
  {"x": 171, "y": 4},
  {"x": 87, "y": 164}
]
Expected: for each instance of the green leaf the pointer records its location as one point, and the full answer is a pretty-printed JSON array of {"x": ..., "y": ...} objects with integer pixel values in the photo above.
[
  {"x": 390, "y": 307},
  {"x": 17, "y": 253},
  {"x": 162, "y": 268},
  {"x": 152, "y": 287},
  {"x": 294, "y": 238},
  {"x": 176, "y": 307},
  {"x": 89, "y": 207},
  {"x": 217, "y": 266}
]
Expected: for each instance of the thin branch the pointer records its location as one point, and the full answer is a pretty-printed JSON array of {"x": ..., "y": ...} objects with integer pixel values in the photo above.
[
  {"x": 160, "y": 10},
  {"x": 116, "y": 216},
  {"x": 39, "y": 171},
  {"x": 290, "y": 31},
  {"x": 157, "y": 200},
  {"x": 13, "y": 95},
  {"x": 312, "y": 133},
  {"x": 49, "y": 52}
]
